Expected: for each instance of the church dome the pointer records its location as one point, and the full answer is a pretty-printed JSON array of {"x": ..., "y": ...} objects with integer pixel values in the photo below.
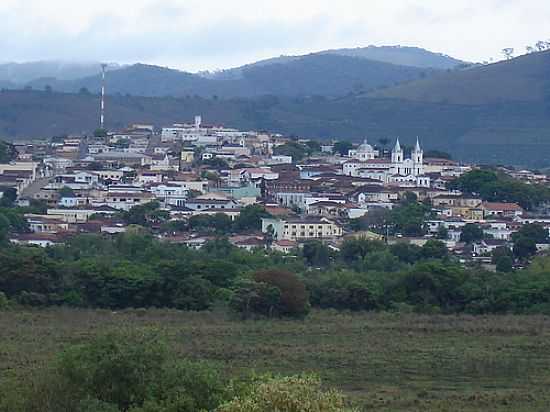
[{"x": 365, "y": 147}]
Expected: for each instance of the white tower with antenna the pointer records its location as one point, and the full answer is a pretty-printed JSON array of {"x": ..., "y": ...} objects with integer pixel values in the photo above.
[{"x": 102, "y": 116}]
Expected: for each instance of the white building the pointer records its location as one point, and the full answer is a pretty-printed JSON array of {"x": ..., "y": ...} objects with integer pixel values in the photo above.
[
  {"x": 363, "y": 152},
  {"x": 397, "y": 170}
]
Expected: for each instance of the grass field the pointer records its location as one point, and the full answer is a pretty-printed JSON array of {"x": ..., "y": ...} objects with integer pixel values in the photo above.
[{"x": 384, "y": 362}]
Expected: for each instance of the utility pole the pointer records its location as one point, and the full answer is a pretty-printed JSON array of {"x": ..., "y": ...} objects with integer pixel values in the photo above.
[{"x": 102, "y": 117}]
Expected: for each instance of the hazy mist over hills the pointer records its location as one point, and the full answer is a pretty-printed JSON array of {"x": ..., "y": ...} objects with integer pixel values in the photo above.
[{"x": 347, "y": 69}]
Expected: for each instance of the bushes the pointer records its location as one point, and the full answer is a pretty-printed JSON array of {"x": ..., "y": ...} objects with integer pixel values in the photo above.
[
  {"x": 290, "y": 394},
  {"x": 136, "y": 270},
  {"x": 119, "y": 372},
  {"x": 4, "y": 302},
  {"x": 135, "y": 372},
  {"x": 271, "y": 293}
]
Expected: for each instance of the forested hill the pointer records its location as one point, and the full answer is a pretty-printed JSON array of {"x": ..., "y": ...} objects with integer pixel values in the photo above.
[
  {"x": 396, "y": 55},
  {"x": 513, "y": 133},
  {"x": 325, "y": 75},
  {"x": 523, "y": 79}
]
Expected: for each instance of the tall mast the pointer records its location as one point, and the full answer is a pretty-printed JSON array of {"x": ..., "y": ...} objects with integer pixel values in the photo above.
[{"x": 102, "y": 118}]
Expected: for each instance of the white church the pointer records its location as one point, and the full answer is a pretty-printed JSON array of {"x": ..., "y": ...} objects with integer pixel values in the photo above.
[{"x": 401, "y": 171}]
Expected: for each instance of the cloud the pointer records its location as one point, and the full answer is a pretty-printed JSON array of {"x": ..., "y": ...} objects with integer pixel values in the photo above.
[{"x": 198, "y": 34}]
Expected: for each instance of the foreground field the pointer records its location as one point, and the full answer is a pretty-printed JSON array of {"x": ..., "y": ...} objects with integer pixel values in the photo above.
[{"x": 384, "y": 362}]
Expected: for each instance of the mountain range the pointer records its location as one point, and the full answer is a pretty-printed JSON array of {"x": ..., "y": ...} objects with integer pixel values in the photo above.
[
  {"x": 498, "y": 113},
  {"x": 347, "y": 70}
]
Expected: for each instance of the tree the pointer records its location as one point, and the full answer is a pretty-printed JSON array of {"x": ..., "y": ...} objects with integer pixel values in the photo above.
[
  {"x": 220, "y": 223},
  {"x": 508, "y": 53},
  {"x": 66, "y": 191},
  {"x": 407, "y": 253},
  {"x": 438, "y": 154},
  {"x": 409, "y": 218},
  {"x": 541, "y": 45},
  {"x": 250, "y": 218},
  {"x": 442, "y": 233},
  {"x": 524, "y": 248},
  {"x": 342, "y": 147},
  {"x": 316, "y": 253},
  {"x": 504, "y": 264},
  {"x": 251, "y": 297},
  {"x": 497, "y": 187},
  {"x": 314, "y": 146},
  {"x": 471, "y": 233},
  {"x": 9, "y": 197},
  {"x": 145, "y": 215},
  {"x": 534, "y": 232},
  {"x": 100, "y": 133},
  {"x": 290, "y": 394},
  {"x": 294, "y": 299},
  {"x": 294, "y": 149},
  {"x": 356, "y": 250},
  {"x": 4, "y": 302},
  {"x": 434, "y": 249},
  {"x": 122, "y": 372},
  {"x": 7, "y": 152}
]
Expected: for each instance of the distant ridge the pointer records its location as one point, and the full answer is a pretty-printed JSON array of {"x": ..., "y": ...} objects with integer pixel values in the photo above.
[
  {"x": 523, "y": 79},
  {"x": 326, "y": 73}
]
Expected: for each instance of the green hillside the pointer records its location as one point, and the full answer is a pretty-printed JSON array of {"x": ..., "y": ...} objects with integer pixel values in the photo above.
[
  {"x": 326, "y": 75},
  {"x": 402, "y": 55},
  {"x": 515, "y": 133},
  {"x": 524, "y": 79}
]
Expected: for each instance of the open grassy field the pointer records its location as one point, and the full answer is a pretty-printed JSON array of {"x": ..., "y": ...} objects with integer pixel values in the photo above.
[{"x": 385, "y": 362}]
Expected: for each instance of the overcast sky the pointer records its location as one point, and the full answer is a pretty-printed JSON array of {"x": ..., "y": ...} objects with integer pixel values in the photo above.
[{"x": 209, "y": 34}]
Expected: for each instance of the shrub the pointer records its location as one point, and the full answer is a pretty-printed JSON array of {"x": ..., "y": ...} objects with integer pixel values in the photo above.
[
  {"x": 4, "y": 302},
  {"x": 118, "y": 372},
  {"x": 289, "y": 394},
  {"x": 294, "y": 298}
]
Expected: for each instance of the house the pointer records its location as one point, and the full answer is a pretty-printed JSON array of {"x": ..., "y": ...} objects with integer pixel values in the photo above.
[
  {"x": 127, "y": 200},
  {"x": 249, "y": 243},
  {"x": 46, "y": 223},
  {"x": 500, "y": 209},
  {"x": 488, "y": 246},
  {"x": 37, "y": 239},
  {"x": 284, "y": 246},
  {"x": 80, "y": 215},
  {"x": 302, "y": 229},
  {"x": 327, "y": 208},
  {"x": 374, "y": 194},
  {"x": 170, "y": 194},
  {"x": 206, "y": 203}
]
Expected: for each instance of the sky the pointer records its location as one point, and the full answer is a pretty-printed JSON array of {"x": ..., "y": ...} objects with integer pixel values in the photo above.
[{"x": 214, "y": 34}]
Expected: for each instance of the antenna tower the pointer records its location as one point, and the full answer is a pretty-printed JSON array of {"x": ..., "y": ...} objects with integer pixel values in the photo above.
[{"x": 102, "y": 118}]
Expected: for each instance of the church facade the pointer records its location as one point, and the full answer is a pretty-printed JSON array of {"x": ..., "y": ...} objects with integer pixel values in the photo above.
[{"x": 397, "y": 170}]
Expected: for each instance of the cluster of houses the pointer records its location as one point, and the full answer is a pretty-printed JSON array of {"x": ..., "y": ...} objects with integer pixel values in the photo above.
[{"x": 193, "y": 169}]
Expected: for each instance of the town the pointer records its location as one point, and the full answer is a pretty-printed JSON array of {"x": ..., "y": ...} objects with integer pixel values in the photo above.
[{"x": 193, "y": 182}]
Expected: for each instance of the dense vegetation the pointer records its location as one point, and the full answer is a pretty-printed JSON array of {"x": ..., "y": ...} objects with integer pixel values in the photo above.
[
  {"x": 493, "y": 186},
  {"x": 136, "y": 372},
  {"x": 509, "y": 133},
  {"x": 525, "y": 78},
  {"x": 7, "y": 152},
  {"x": 136, "y": 270}
]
